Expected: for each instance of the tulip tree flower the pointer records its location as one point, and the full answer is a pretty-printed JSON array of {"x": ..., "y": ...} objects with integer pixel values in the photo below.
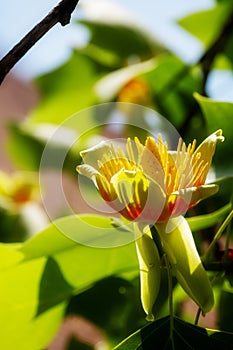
[
  {"x": 17, "y": 189},
  {"x": 150, "y": 185}
]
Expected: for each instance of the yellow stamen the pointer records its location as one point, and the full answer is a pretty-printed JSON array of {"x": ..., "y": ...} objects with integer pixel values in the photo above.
[{"x": 131, "y": 151}]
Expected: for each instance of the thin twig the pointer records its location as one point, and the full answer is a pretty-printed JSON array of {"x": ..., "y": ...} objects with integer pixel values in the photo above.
[
  {"x": 206, "y": 64},
  {"x": 217, "y": 46},
  {"x": 197, "y": 316},
  {"x": 217, "y": 236},
  {"x": 59, "y": 14}
]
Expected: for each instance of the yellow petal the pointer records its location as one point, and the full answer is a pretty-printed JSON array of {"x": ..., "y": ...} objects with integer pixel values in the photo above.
[
  {"x": 87, "y": 171},
  {"x": 92, "y": 155},
  {"x": 193, "y": 195},
  {"x": 143, "y": 197},
  {"x": 206, "y": 151}
]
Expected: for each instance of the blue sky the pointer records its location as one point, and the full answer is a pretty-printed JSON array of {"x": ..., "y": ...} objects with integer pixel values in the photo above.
[
  {"x": 155, "y": 15},
  {"x": 18, "y": 17}
]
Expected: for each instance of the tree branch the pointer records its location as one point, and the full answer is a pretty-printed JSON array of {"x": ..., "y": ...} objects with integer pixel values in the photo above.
[
  {"x": 59, "y": 14},
  {"x": 217, "y": 46}
]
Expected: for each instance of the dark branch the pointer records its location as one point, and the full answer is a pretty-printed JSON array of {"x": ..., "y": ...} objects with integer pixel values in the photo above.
[
  {"x": 206, "y": 61},
  {"x": 218, "y": 45},
  {"x": 60, "y": 14}
]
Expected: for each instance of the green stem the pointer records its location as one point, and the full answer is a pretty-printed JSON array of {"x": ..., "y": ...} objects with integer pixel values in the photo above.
[
  {"x": 218, "y": 235},
  {"x": 213, "y": 281},
  {"x": 170, "y": 297},
  {"x": 197, "y": 316},
  {"x": 228, "y": 237}
]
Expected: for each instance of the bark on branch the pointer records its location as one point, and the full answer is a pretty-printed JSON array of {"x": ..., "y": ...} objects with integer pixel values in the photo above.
[{"x": 59, "y": 14}]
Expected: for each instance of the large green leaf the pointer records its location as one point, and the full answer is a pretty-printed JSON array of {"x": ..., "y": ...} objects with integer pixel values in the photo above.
[
  {"x": 164, "y": 334},
  {"x": 67, "y": 89},
  {"x": 19, "y": 297},
  {"x": 39, "y": 277},
  {"x": 124, "y": 39},
  {"x": 113, "y": 304},
  {"x": 173, "y": 83},
  {"x": 216, "y": 17},
  {"x": 64, "y": 91},
  {"x": 24, "y": 149},
  {"x": 219, "y": 115},
  {"x": 48, "y": 295}
]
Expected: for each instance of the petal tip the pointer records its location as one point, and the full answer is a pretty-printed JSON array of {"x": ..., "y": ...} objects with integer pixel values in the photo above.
[
  {"x": 150, "y": 318},
  {"x": 219, "y": 135}
]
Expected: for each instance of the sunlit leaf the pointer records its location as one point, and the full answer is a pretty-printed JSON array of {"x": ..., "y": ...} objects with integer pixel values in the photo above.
[
  {"x": 219, "y": 115},
  {"x": 39, "y": 277},
  {"x": 173, "y": 83},
  {"x": 67, "y": 89},
  {"x": 215, "y": 17},
  {"x": 9, "y": 255},
  {"x": 18, "y": 300}
]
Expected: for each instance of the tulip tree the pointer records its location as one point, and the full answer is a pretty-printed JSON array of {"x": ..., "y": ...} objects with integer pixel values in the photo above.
[{"x": 152, "y": 265}]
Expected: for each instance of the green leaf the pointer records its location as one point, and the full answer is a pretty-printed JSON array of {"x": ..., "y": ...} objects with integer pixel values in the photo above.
[
  {"x": 48, "y": 295},
  {"x": 113, "y": 304},
  {"x": 201, "y": 222},
  {"x": 219, "y": 115},
  {"x": 39, "y": 276},
  {"x": 67, "y": 89},
  {"x": 115, "y": 36},
  {"x": 196, "y": 23},
  {"x": 225, "y": 309},
  {"x": 18, "y": 302},
  {"x": 9, "y": 255},
  {"x": 222, "y": 62},
  {"x": 172, "y": 84},
  {"x": 176, "y": 335},
  {"x": 169, "y": 80},
  {"x": 24, "y": 149}
]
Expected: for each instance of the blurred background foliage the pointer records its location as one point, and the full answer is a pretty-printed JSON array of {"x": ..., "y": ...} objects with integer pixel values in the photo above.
[{"x": 49, "y": 277}]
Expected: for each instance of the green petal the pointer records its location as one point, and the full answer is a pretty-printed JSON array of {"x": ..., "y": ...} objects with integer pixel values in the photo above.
[
  {"x": 150, "y": 271},
  {"x": 178, "y": 244}
]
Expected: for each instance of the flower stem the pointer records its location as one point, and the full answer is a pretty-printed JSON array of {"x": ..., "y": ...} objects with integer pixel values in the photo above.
[
  {"x": 228, "y": 238},
  {"x": 170, "y": 297},
  {"x": 218, "y": 235},
  {"x": 197, "y": 316}
]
